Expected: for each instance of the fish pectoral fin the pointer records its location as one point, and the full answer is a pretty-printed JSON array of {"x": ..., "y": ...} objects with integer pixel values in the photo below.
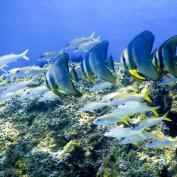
[{"x": 135, "y": 73}]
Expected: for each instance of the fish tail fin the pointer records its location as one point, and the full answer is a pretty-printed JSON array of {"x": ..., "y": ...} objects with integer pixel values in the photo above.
[
  {"x": 140, "y": 133},
  {"x": 2, "y": 80},
  {"x": 144, "y": 93},
  {"x": 24, "y": 55},
  {"x": 92, "y": 35},
  {"x": 165, "y": 117},
  {"x": 154, "y": 110},
  {"x": 98, "y": 38},
  {"x": 146, "y": 97},
  {"x": 158, "y": 133}
]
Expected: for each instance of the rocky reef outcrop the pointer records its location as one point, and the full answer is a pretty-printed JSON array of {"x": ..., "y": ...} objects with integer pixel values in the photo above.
[{"x": 54, "y": 139}]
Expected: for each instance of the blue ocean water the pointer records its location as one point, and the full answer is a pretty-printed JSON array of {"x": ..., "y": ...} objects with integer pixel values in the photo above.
[{"x": 49, "y": 25}]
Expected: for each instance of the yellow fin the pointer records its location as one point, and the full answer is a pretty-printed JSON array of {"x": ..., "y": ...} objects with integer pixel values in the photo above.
[
  {"x": 133, "y": 88},
  {"x": 128, "y": 119},
  {"x": 144, "y": 93},
  {"x": 147, "y": 128},
  {"x": 124, "y": 120},
  {"x": 2, "y": 80},
  {"x": 146, "y": 97},
  {"x": 136, "y": 74},
  {"x": 91, "y": 79},
  {"x": 136, "y": 79},
  {"x": 154, "y": 110},
  {"x": 165, "y": 117},
  {"x": 158, "y": 133}
]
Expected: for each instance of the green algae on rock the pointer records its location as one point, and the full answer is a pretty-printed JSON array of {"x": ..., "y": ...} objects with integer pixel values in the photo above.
[{"x": 60, "y": 141}]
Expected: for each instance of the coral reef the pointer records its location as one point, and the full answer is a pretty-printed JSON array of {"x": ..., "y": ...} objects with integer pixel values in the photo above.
[{"x": 54, "y": 139}]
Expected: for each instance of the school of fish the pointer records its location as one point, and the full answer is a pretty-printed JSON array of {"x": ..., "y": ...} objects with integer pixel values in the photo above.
[{"x": 126, "y": 104}]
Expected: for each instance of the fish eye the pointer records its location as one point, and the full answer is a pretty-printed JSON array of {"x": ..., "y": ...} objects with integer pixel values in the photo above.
[
  {"x": 150, "y": 141},
  {"x": 123, "y": 103},
  {"x": 98, "y": 119},
  {"x": 17, "y": 71}
]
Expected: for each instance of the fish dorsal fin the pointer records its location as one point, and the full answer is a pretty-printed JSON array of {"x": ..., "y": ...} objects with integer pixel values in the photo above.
[
  {"x": 140, "y": 49},
  {"x": 143, "y": 41},
  {"x": 62, "y": 60},
  {"x": 97, "y": 57},
  {"x": 170, "y": 45},
  {"x": 144, "y": 93},
  {"x": 101, "y": 49}
]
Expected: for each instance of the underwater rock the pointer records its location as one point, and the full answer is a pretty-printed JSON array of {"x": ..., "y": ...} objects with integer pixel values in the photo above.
[{"x": 57, "y": 140}]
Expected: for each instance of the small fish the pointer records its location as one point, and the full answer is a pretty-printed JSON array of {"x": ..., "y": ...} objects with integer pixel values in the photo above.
[
  {"x": 48, "y": 96},
  {"x": 158, "y": 143},
  {"x": 33, "y": 92},
  {"x": 15, "y": 87},
  {"x": 135, "y": 139},
  {"x": 124, "y": 97},
  {"x": 6, "y": 59},
  {"x": 119, "y": 132},
  {"x": 108, "y": 97},
  {"x": 12, "y": 94},
  {"x": 80, "y": 40},
  {"x": 85, "y": 47},
  {"x": 50, "y": 55},
  {"x": 111, "y": 119},
  {"x": 24, "y": 72},
  {"x": 167, "y": 81},
  {"x": 152, "y": 121},
  {"x": 101, "y": 86},
  {"x": 93, "y": 106},
  {"x": 83, "y": 44},
  {"x": 135, "y": 107}
]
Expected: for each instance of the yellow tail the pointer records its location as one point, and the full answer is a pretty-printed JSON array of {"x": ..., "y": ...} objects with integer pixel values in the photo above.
[
  {"x": 165, "y": 117},
  {"x": 144, "y": 93},
  {"x": 154, "y": 110}
]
